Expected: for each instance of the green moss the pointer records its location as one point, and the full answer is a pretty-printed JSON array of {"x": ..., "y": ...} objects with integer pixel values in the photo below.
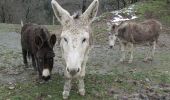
[{"x": 159, "y": 9}]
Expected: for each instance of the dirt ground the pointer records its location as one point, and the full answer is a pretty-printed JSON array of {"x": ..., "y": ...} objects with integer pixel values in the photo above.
[
  {"x": 101, "y": 60},
  {"x": 12, "y": 68}
]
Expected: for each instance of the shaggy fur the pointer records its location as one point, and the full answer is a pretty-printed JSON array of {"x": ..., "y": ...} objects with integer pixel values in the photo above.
[
  {"x": 130, "y": 33},
  {"x": 37, "y": 42},
  {"x": 75, "y": 43},
  {"x": 147, "y": 31}
]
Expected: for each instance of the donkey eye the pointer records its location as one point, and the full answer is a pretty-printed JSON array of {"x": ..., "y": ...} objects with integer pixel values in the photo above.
[
  {"x": 51, "y": 59},
  {"x": 65, "y": 39},
  {"x": 83, "y": 40}
]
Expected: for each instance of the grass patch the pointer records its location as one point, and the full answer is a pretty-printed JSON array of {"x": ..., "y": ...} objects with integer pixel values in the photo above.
[
  {"x": 158, "y": 9},
  {"x": 97, "y": 86},
  {"x": 123, "y": 78},
  {"x": 100, "y": 35}
]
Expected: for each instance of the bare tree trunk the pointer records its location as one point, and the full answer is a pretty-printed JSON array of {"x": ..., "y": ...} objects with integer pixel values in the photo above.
[
  {"x": 53, "y": 19},
  {"x": 3, "y": 14},
  {"x": 124, "y": 3},
  {"x": 119, "y": 2},
  {"x": 10, "y": 18},
  {"x": 83, "y": 6},
  {"x": 134, "y": 1},
  {"x": 27, "y": 14}
]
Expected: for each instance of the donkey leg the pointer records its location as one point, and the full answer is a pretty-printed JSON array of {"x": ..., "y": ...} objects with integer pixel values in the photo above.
[
  {"x": 147, "y": 55},
  {"x": 39, "y": 73},
  {"x": 24, "y": 53},
  {"x": 82, "y": 74},
  {"x": 81, "y": 82},
  {"x": 81, "y": 86},
  {"x": 34, "y": 62},
  {"x": 122, "y": 46},
  {"x": 38, "y": 68},
  {"x": 67, "y": 88},
  {"x": 131, "y": 53},
  {"x": 153, "y": 49}
]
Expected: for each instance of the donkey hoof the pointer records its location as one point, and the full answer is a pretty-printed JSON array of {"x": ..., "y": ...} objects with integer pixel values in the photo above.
[
  {"x": 130, "y": 61},
  {"x": 35, "y": 69},
  {"x": 82, "y": 92},
  {"x": 121, "y": 60},
  {"x": 65, "y": 95},
  {"x": 148, "y": 59},
  {"x": 145, "y": 60},
  {"x": 26, "y": 66}
]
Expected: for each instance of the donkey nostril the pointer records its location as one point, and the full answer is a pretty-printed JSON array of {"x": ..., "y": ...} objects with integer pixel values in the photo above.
[
  {"x": 78, "y": 69},
  {"x": 67, "y": 69},
  {"x": 111, "y": 47}
]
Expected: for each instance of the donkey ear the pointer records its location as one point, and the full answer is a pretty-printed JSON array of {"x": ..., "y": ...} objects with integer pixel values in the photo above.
[
  {"x": 53, "y": 40},
  {"x": 91, "y": 12},
  {"x": 38, "y": 41},
  {"x": 62, "y": 15}
]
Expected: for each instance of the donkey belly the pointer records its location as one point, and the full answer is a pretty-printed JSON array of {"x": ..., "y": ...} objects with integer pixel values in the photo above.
[{"x": 143, "y": 37}]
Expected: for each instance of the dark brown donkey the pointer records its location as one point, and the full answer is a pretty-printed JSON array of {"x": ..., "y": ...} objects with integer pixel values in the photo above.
[
  {"x": 129, "y": 33},
  {"x": 38, "y": 44}
]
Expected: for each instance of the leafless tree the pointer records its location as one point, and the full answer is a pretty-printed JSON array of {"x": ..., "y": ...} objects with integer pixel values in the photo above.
[
  {"x": 5, "y": 14},
  {"x": 119, "y": 2},
  {"x": 40, "y": 11},
  {"x": 83, "y": 5},
  {"x": 133, "y": 1}
]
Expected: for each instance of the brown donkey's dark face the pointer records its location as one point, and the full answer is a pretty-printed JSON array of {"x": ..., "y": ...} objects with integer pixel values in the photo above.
[{"x": 45, "y": 56}]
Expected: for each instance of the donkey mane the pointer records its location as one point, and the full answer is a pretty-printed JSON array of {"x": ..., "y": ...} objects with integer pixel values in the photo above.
[{"x": 76, "y": 15}]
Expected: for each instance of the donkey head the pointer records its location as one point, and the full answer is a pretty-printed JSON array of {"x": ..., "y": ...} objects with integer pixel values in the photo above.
[
  {"x": 113, "y": 32},
  {"x": 75, "y": 36},
  {"x": 45, "y": 54},
  {"x": 112, "y": 35}
]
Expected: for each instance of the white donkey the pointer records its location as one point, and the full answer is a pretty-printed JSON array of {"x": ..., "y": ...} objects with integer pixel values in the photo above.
[{"x": 75, "y": 43}]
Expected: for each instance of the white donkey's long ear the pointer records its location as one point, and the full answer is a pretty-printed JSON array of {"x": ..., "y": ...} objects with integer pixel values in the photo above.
[
  {"x": 62, "y": 15},
  {"x": 91, "y": 12}
]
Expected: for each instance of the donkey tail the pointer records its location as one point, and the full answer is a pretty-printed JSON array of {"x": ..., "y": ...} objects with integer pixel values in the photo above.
[
  {"x": 22, "y": 24},
  {"x": 29, "y": 55}
]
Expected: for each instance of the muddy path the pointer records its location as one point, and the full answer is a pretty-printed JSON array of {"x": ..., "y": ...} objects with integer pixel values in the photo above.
[{"x": 101, "y": 58}]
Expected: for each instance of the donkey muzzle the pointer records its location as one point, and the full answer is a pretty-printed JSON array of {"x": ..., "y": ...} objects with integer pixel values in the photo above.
[
  {"x": 46, "y": 74},
  {"x": 46, "y": 78},
  {"x": 73, "y": 71}
]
